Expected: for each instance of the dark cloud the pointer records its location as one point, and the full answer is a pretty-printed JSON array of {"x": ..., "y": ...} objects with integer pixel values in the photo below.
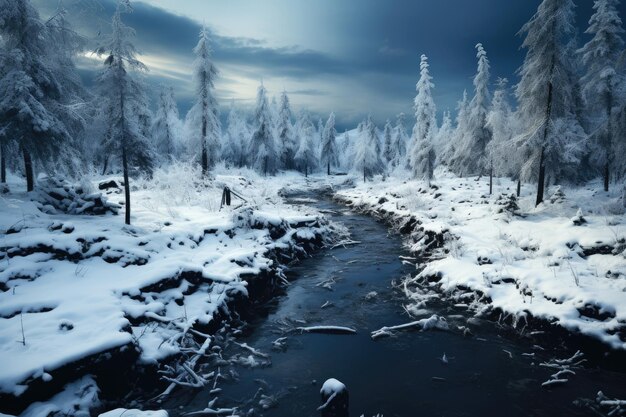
[{"x": 373, "y": 70}]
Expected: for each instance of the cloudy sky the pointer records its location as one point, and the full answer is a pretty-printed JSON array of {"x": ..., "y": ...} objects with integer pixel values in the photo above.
[{"x": 352, "y": 57}]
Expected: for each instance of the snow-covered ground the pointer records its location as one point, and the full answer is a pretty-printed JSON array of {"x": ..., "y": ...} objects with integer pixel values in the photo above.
[
  {"x": 76, "y": 286},
  {"x": 496, "y": 254},
  {"x": 85, "y": 288}
]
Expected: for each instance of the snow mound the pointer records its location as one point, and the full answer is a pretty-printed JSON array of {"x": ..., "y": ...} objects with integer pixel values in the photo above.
[{"x": 58, "y": 196}]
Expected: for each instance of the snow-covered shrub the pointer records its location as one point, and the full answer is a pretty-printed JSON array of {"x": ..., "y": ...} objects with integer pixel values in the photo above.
[{"x": 57, "y": 195}]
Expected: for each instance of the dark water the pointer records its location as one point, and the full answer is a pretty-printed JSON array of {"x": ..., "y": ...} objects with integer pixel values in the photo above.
[{"x": 392, "y": 376}]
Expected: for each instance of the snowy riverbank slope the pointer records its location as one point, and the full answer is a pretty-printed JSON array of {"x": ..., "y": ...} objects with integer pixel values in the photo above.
[
  {"x": 495, "y": 253},
  {"x": 79, "y": 289}
]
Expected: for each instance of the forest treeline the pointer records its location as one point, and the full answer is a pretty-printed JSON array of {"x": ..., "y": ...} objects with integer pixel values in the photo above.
[{"x": 564, "y": 121}]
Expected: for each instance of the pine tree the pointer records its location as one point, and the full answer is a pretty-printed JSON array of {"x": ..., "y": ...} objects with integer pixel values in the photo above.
[
  {"x": 262, "y": 148},
  {"x": 121, "y": 95},
  {"x": 166, "y": 125},
  {"x": 553, "y": 138},
  {"x": 451, "y": 147},
  {"x": 501, "y": 125},
  {"x": 305, "y": 157},
  {"x": 32, "y": 107},
  {"x": 235, "y": 145},
  {"x": 444, "y": 136},
  {"x": 602, "y": 82},
  {"x": 470, "y": 156},
  {"x": 286, "y": 135},
  {"x": 399, "y": 145},
  {"x": 422, "y": 158},
  {"x": 329, "y": 154},
  {"x": 367, "y": 157},
  {"x": 388, "y": 151},
  {"x": 204, "y": 115}
]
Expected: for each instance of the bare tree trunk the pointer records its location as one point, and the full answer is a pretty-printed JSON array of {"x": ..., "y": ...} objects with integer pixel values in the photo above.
[
  {"x": 364, "y": 179},
  {"x": 542, "y": 167},
  {"x": 28, "y": 170},
  {"x": 124, "y": 156},
  {"x": 541, "y": 180},
  {"x": 205, "y": 154},
  {"x": 328, "y": 168},
  {"x": 606, "y": 175},
  {"x": 519, "y": 187},
  {"x": 609, "y": 144},
  {"x": 105, "y": 166},
  {"x": 126, "y": 184},
  {"x": 491, "y": 179},
  {"x": 3, "y": 164}
]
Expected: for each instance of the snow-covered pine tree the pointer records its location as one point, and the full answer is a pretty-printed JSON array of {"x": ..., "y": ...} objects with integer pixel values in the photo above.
[
  {"x": 262, "y": 148},
  {"x": 235, "y": 145},
  {"x": 306, "y": 154},
  {"x": 320, "y": 132},
  {"x": 399, "y": 143},
  {"x": 329, "y": 153},
  {"x": 470, "y": 157},
  {"x": 31, "y": 104},
  {"x": 286, "y": 134},
  {"x": 552, "y": 136},
  {"x": 368, "y": 151},
  {"x": 166, "y": 125},
  {"x": 388, "y": 151},
  {"x": 451, "y": 146},
  {"x": 67, "y": 44},
  {"x": 422, "y": 159},
  {"x": 501, "y": 124},
  {"x": 602, "y": 82},
  {"x": 444, "y": 135},
  {"x": 204, "y": 115},
  {"x": 121, "y": 94}
]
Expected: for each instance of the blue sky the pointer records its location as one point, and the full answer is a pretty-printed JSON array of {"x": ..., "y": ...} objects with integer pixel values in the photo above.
[{"x": 352, "y": 57}]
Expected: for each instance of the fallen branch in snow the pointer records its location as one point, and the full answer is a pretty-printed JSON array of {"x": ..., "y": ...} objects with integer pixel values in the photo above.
[
  {"x": 564, "y": 367},
  {"x": 252, "y": 350},
  {"x": 616, "y": 406},
  {"x": 280, "y": 343},
  {"x": 433, "y": 322},
  {"x": 345, "y": 243},
  {"x": 554, "y": 382},
  {"x": 327, "y": 329},
  {"x": 213, "y": 412}
]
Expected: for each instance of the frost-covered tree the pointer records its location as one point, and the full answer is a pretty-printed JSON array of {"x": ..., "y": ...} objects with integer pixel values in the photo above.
[
  {"x": 388, "y": 151},
  {"x": 121, "y": 94},
  {"x": 451, "y": 146},
  {"x": 235, "y": 144},
  {"x": 422, "y": 159},
  {"x": 306, "y": 154},
  {"x": 262, "y": 148},
  {"x": 470, "y": 156},
  {"x": 204, "y": 117},
  {"x": 399, "y": 142},
  {"x": 67, "y": 44},
  {"x": 166, "y": 126},
  {"x": 501, "y": 125},
  {"x": 552, "y": 136},
  {"x": 444, "y": 136},
  {"x": 285, "y": 133},
  {"x": 602, "y": 82},
  {"x": 368, "y": 153},
  {"x": 329, "y": 153},
  {"x": 32, "y": 107}
]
